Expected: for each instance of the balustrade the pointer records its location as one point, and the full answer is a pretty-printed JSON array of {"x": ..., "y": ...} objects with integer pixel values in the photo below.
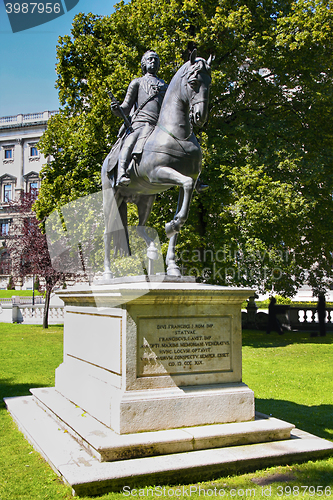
[
  {"x": 306, "y": 317},
  {"x": 33, "y": 116},
  {"x": 27, "y": 117},
  {"x": 29, "y": 314},
  {"x": 8, "y": 119},
  {"x": 293, "y": 318}
]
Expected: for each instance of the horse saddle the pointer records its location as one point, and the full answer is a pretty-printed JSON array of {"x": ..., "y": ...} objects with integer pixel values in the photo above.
[{"x": 113, "y": 156}]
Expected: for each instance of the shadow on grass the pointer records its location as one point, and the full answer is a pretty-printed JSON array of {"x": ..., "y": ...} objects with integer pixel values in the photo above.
[
  {"x": 11, "y": 390},
  {"x": 314, "y": 419},
  {"x": 313, "y": 475},
  {"x": 259, "y": 338}
]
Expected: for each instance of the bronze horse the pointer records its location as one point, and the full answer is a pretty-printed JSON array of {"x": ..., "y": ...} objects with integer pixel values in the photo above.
[{"x": 170, "y": 157}]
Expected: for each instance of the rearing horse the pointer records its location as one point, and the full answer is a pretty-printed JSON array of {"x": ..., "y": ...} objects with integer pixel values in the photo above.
[{"x": 170, "y": 157}]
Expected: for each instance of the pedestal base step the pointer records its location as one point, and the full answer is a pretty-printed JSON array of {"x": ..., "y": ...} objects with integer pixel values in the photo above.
[
  {"x": 107, "y": 445},
  {"x": 87, "y": 475}
]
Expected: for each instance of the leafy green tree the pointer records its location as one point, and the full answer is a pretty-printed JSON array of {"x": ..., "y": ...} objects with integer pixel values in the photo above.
[{"x": 268, "y": 148}]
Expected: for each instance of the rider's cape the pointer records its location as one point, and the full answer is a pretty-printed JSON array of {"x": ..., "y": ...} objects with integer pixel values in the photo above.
[{"x": 112, "y": 158}]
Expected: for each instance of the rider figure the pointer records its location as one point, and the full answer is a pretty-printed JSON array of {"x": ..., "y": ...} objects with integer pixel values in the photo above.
[{"x": 145, "y": 96}]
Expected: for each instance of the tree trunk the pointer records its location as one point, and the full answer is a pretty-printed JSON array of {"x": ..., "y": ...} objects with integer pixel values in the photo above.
[{"x": 46, "y": 308}]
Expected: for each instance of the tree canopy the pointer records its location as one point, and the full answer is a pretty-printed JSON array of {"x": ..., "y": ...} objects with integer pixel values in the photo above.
[{"x": 268, "y": 145}]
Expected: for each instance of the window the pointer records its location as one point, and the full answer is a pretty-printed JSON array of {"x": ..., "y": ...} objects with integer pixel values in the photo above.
[
  {"x": 33, "y": 151},
  {"x": 4, "y": 228},
  {"x": 8, "y": 154},
  {"x": 5, "y": 263},
  {"x": 32, "y": 181},
  {"x": 7, "y": 192},
  {"x": 33, "y": 188}
]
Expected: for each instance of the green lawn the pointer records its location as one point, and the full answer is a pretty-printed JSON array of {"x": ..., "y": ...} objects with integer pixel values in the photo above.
[
  {"x": 291, "y": 375},
  {"x": 292, "y": 378},
  {"x": 7, "y": 294}
]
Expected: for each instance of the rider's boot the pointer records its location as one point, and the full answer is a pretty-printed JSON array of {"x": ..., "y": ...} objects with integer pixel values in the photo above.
[{"x": 123, "y": 179}]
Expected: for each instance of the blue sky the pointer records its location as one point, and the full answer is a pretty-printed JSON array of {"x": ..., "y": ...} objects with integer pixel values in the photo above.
[{"x": 28, "y": 58}]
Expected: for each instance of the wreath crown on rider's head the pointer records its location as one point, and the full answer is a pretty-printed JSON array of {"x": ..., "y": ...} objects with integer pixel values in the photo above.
[{"x": 143, "y": 61}]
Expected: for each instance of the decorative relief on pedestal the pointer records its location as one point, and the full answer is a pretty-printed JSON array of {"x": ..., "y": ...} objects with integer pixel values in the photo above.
[{"x": 184, "y": 345}]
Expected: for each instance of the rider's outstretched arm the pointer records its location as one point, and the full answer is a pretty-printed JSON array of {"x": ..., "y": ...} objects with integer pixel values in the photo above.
[{"x": 130, "y": 98}]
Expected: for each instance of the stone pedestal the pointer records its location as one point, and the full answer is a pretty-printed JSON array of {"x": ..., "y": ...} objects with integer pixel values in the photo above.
[
  {"x": 146, "y": 367},
  {"x": 141, "y": 357}
]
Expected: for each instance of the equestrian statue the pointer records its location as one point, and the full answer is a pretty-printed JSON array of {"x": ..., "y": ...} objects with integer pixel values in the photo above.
[{"x": 156, "y": 149}]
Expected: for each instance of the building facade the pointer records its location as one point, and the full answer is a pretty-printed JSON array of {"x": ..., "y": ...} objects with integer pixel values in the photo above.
[{"x": 20, "y": 164}]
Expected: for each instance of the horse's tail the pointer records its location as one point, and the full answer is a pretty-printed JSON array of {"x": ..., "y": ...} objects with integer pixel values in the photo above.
[
  {"x": 115, "y": 217},
  {"x": 120, "y": 236}
]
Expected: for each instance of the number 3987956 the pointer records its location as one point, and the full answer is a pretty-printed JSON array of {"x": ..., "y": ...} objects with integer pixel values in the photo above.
[{"x": 33, "y": 8}]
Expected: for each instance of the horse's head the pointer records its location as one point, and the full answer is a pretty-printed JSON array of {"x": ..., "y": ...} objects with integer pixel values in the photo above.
[{"x": 197, "y": 81}]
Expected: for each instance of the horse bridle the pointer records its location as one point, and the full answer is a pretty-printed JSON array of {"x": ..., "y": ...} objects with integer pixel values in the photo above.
[{"x": 192, "y": 103}]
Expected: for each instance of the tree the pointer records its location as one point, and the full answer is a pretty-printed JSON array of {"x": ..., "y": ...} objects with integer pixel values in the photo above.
[
  {"x": 268, "y": 146},
  {"x": 29, "y": 250},
  {"x": 10, "y": 285}
]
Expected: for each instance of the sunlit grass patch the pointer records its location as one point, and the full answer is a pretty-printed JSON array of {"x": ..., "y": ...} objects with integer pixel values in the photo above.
[{"x": 291, "y": 376}]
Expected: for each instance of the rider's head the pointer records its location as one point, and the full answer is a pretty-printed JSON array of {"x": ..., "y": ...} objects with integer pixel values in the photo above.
[{"x": 150, "y": 62}]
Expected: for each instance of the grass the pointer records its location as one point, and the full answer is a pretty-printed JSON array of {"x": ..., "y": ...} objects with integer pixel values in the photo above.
[
  {"x": 291, "y": 376},
  {"x": 28, "y": 357},
  {"x": 7, "y": 294}
]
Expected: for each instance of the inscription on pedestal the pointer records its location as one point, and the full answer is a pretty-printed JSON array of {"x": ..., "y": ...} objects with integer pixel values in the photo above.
[{"x": 183, "y": 345}]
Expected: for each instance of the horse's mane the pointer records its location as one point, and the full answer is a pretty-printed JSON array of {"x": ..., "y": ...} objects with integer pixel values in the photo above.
[{"x": 192, "y": 70}]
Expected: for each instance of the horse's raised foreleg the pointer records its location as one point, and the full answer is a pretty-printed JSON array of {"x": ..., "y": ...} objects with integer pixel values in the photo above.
[
  {"x": 186, "y": 184},
  {"x": 168, "y": 175}
]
